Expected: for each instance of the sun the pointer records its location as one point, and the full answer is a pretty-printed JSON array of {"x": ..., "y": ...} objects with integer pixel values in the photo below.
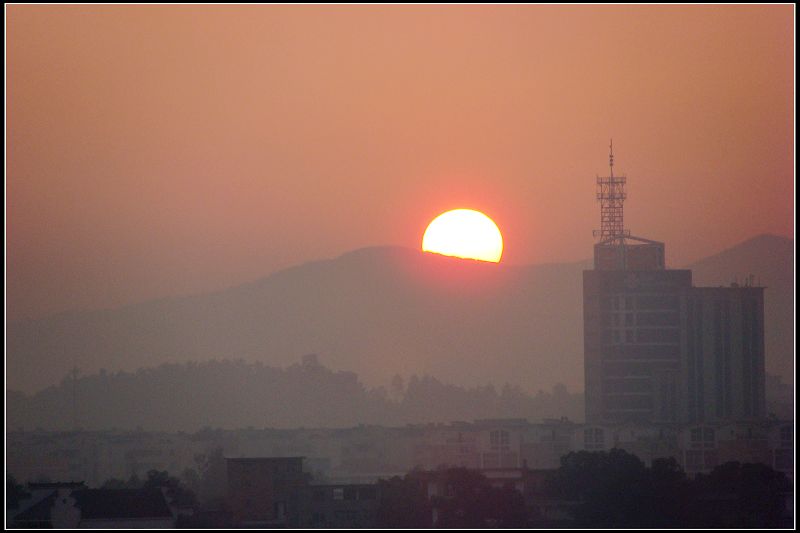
[{"x": 464, "y": 233}]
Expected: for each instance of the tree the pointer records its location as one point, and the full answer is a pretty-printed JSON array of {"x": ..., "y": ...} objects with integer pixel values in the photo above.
[
  {"x": 612, "y": 489},
  {"x": 471, "y": 502},
  {"x": 15, "y": 492},
  {"x": 116, "y": 483},
  {"x": 397, "y": 388},
  {"x": 213, "y": 476},
  {"x": 175, "y": 489},
  {"x": 741, "y": 495},
  {"x": 403, "y": 504}
]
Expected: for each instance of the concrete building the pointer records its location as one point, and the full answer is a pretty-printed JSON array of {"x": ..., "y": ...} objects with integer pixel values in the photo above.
[
  {"x": 781, "y": 444},
  {"x": 499, "y": 442},
  {"x": 723, "y": 354},
  {"x": 657, "y": 349},
  {"x": 632, "y": 350},
  {"x": 546, "y": 443},
  {"x": 340, "y": 506},
  {"x": 264, "y": 491},
  {"x": 278, "y": 492}
]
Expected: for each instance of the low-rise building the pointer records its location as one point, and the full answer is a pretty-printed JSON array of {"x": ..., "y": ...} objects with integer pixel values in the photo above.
[
  {"x": 73, "y": 506},
  {"x": 265, "y": 491},
  {"x": 343, "y": 506},
  {"x": 279, "y": 492}
]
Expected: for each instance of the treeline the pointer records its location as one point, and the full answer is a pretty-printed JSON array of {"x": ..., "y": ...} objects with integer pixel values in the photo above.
[
  {"x": 589, "y": 490},
  {"x": 233, "y": 394},
  {"x": 595, "y": 490}
]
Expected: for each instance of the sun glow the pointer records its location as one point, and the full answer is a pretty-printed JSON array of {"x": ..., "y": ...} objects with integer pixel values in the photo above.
[{"x": 464, "y": 233}]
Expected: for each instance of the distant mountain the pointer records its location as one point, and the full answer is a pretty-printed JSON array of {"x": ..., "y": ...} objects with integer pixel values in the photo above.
[
  {"x": 377, "y": 312},
  {"x": 770, "y": 260}
]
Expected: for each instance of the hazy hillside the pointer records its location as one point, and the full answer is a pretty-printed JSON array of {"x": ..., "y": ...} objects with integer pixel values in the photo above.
[
  {"x": 378, "y": 312},
  {"x": 235, "y": 394}
]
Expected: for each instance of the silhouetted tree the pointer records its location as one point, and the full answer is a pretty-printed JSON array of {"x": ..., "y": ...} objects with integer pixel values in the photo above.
[
  {"x": 471, "y": 502},
  {"x": 191, "y": 479},
  {"x": 611, "y": 488},
  {"x": 669, "y": 495},
  {"x": 397, "y": 388},
  {"x": 403, "y": 503},
  {"x": 213, "y": 476},
  {"x": 115, "y": 483},
  {"x": 175, "y": 489},
  {"x": 15, "y": 492},
  {"x": 615, "y": 489},
  {"x": 508, "y": 507},
  {"x": 740, "y": 495}
]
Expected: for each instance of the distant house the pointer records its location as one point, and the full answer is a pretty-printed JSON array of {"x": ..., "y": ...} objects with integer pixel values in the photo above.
[{"x": 72, "y": 505}]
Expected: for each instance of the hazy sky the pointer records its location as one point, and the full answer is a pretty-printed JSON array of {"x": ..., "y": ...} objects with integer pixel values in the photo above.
[{"x": 161, "y": 150}]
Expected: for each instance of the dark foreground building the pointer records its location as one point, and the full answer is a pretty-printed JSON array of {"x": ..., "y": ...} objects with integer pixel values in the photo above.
[
  {"x": 278, "y": 492},
  {"x": 74, "y": 506},
  {"x": 656, "y": 348}
]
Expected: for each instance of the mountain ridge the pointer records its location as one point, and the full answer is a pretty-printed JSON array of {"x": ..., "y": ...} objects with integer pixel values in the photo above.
[{"x": 379, "y": 311}]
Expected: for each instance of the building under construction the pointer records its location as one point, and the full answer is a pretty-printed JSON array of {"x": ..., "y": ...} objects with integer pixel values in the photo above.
[{"x": 657, "y": 349}]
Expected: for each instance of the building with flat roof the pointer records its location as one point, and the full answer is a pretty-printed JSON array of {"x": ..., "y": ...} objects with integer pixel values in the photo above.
[
  {"x": 278, "y": 492},
  {"x": 264, "y": 491},
  {"x": 656, "y": 348}
]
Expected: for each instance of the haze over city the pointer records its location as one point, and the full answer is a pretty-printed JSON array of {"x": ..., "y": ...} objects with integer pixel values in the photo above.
[{"x": 380, "y": 266}]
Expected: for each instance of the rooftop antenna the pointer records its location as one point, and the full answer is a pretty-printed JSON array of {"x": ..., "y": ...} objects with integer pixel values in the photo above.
[
  {"x": 611, "y": 195},
  {"x": 611, "y": 158}
]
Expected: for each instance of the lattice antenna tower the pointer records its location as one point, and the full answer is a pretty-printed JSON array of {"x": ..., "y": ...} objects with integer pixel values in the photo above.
[{"x": 611, "y": 195}]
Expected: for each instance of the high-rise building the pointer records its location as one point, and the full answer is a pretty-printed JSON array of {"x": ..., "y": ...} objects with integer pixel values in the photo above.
[
  {"x": 723, "y": 354},
  {"x": 657, "y": 349}
]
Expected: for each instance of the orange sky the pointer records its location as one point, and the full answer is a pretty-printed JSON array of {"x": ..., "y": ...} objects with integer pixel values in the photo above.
[{"x": 162, "y": 150}]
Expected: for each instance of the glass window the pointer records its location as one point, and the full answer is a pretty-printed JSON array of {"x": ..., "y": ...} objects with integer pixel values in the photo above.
[{"x": 593, "y": 438}]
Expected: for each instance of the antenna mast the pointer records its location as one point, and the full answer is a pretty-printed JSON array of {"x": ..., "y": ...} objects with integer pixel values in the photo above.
[{"x": 611, "y": 195}]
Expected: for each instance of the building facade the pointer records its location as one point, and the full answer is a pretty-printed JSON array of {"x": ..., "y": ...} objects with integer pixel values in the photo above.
[
  {"x": 723, "y": 348},
  {"x": 632, "y": 344}
]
